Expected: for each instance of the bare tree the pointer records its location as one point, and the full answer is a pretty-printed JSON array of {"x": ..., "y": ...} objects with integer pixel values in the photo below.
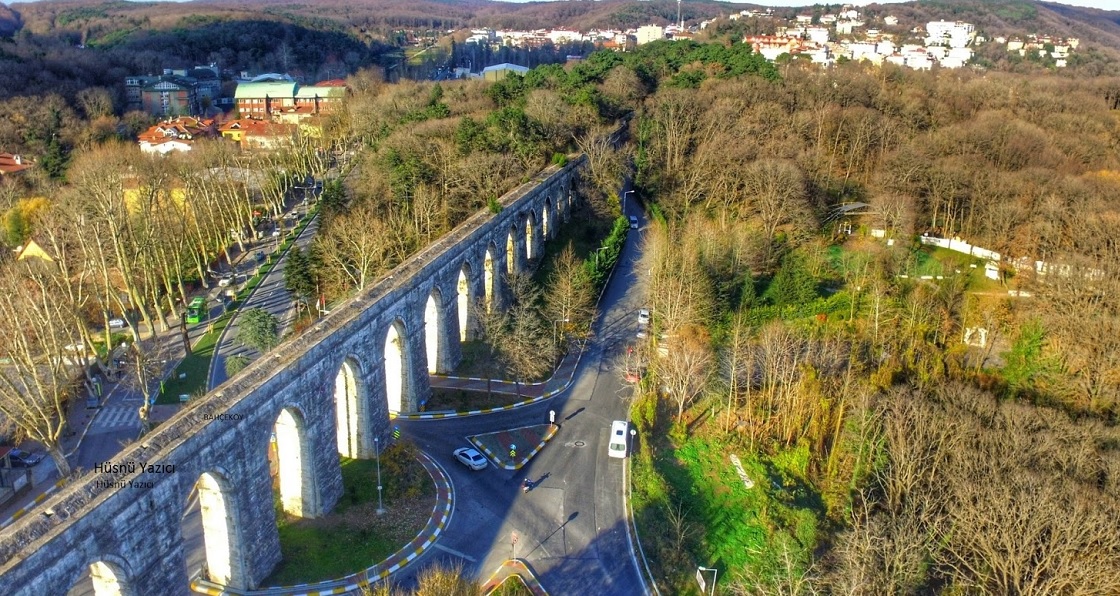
[
  {"x": 144, "y": 364},
  {"x": 779, "y": 195},
  {"x": 687, "y": 367},
  {"x": 43, "y": 359},
  {"x": 569, "y": 300}
]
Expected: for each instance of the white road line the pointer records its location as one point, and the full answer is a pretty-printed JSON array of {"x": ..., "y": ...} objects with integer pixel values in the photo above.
[
  {"x": 117, "y": 417},
  {"x": 452, "y": 551}
]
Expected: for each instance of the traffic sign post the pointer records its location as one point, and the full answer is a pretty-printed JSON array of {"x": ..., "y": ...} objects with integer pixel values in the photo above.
[
  {"x": 552, "y": 416},
  {"x": 703, "y": 584},
  {"x": 512, "y": 450}
]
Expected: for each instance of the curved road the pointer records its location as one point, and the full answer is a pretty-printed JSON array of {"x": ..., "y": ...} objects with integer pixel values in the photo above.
[{"x": 572, "y": 526}]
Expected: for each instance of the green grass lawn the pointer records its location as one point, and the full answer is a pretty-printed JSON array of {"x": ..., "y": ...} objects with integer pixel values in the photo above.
[
  {"x": 463, "y": 401},
  {"x": 512, "y": 586},
  {"x": 195, "y": 366},
  {"x": 743, "y": 532},
  {"x": 353, "y": 537}
]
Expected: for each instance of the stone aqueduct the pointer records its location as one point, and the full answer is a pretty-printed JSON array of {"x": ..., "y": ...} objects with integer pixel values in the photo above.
[{"x": 328, "y": 392}]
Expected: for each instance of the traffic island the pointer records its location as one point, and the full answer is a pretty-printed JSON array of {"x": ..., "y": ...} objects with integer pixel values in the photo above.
[
  {"x": 513, "y": 578},
  {"x": 511, "y": 449}
]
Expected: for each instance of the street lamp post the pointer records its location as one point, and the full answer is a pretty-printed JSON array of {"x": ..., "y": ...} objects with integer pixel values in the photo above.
[
  {"x": 597, "y": 251},
  {"x": 377, "y": 449},
  {"x": 700, "y": 578}
]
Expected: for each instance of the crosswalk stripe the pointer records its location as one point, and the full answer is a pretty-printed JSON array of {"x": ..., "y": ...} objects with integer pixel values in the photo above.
[{"x": 117, "y": 417}]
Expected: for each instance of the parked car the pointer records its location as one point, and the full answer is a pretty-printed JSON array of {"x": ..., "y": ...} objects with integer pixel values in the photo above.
[
  {"x": 471, "y": 458},
  {"x": 633, "y": 222},
  {"x": 616, "y": 446},
  {"x": 225, "y": 281},
  {"x": 643, "y": 322},
  {"x": 23, "y": 459},
  {"x": 117, "y": 323}
]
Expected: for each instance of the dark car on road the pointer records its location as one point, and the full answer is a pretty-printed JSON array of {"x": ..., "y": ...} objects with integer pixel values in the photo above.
[{"x": 23, "y": 459}]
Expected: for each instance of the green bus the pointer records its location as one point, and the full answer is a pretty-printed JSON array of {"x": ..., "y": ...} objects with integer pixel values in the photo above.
[{"x": 196, "y": 310}]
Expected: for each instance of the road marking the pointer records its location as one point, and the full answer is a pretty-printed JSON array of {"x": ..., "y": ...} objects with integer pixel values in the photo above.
[
  {"x": 452, "y": 551},
  {"x": 116, "y": 417}
]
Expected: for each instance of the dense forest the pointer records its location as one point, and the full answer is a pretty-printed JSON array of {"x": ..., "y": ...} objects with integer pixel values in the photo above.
[{"x": 918, "y": 461}]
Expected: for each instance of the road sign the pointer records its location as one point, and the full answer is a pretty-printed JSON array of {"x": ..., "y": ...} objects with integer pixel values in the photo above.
[
  {"x": 396, "y": 432},
  {"x": 552, "y": 416},
  {"x": 512, "y": 450}
]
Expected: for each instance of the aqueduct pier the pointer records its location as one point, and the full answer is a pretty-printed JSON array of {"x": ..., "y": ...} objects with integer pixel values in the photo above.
[{"x": 326, "y": 393}]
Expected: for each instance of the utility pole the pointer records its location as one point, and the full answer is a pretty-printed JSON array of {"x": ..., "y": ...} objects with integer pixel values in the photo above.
[{"x": 680, "y": 21}]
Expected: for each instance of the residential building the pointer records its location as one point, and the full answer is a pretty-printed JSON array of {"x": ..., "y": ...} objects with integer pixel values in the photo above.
[
  {"x": 177, "y": 134},
  {"x": 501, "y": 71},
  {"x": 12, "y": 164},
  {"x": 949, "y": 33},
  {"x": 175, "y": 92},
  {"x": 251, "y": 133},
  {"x": 260, "y": 100},
  {"x": 817, "y": 34},
  {"x": 648, "y": 33},
  {"x": 323, "y": 97},
  {"x": 772, "y": 46},
  {"x": 170, "y": 96}
]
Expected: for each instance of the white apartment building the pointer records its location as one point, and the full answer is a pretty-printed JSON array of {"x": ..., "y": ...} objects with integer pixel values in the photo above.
[
  {"x": 648, "y": 33},
  {"x": 817, "y": 34},
  {"x": 953, "y": 34}
]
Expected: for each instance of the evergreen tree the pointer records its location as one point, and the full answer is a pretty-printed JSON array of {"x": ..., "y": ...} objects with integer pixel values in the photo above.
[
  {"x": 792, "y": 284},
  {"x": 257, "y": 328}
]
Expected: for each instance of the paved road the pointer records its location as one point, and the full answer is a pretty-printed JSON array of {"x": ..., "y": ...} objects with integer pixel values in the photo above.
[
  {"x": 272, "y": 296},
  {"x": 571, "y": 527}
]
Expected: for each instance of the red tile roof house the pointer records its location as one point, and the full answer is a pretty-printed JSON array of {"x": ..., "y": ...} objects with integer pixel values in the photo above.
[
  {"x": 12, "y": 164},
  {"x": 258, "y": 134},
  {"x": 176, "y": 135}
]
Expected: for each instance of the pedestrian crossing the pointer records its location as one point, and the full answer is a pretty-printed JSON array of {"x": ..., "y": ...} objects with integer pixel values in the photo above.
[{"x": 115, "y": 417}]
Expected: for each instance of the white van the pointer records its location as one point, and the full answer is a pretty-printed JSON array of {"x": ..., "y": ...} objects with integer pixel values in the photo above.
[{"x": 616, "y": 445}]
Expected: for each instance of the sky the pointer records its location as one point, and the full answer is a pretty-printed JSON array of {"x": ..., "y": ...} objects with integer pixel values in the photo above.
[{"x": 1103, "y": 4}]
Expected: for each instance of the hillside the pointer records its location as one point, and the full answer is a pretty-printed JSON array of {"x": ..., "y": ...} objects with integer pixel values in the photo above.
[{"x": 69, "y": 45}]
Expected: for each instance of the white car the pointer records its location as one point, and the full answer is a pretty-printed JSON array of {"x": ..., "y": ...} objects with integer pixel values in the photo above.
[
  {"x": 616, "y": 445},
  {"x": 117, "y": 323},
  {"x": 471, "y": 458},
  {"x": 226, "y": 280},
  {"x": 633, "y": 222},
  {"x": 643, "y": 322}
]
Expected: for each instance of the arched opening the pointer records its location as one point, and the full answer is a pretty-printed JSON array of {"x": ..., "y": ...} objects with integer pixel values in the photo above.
[
  {"x": 295, "y": 465},
  {"x": 463, "y": 301},
  {"x": 220, "y": 532},
  {"x": 396, "y": 366},
  {"x": 350, "y": 410},
  {"x": 546, "y": 220},
  {"x": 511, "y": 251},
  {"x": 488, "y": 275},
  {"x": 529, "y": 237},
  {"x": 102, "y": 578},
  {"x": 433, "y": 327}
]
